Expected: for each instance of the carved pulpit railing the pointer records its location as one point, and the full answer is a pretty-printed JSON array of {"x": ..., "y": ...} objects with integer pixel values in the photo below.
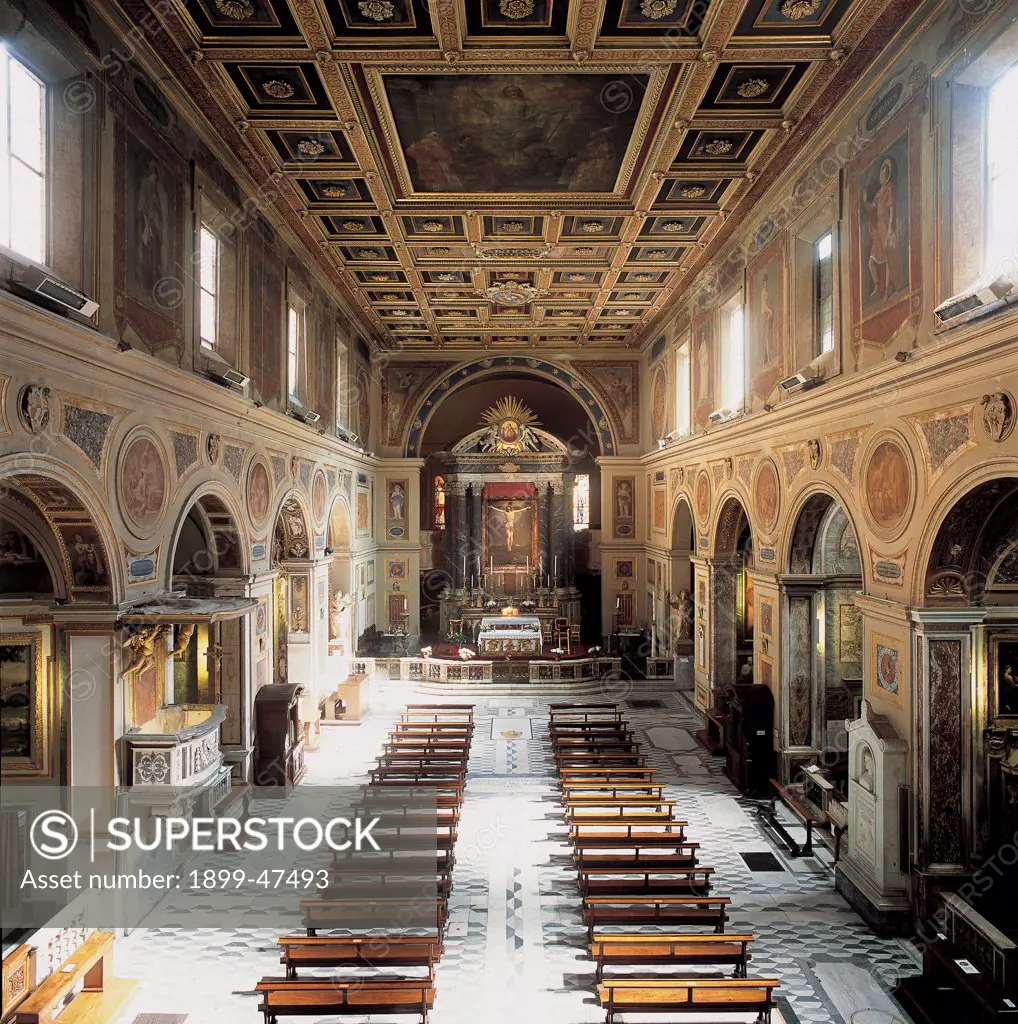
[{"x": 178, "y": 748}]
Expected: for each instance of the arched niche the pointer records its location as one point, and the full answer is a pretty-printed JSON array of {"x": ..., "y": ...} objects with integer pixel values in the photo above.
[
  {"x": 31, "y": 562},
  {"x": 341, "y": 588},
  {"x": 600, "y": 435},
  {"x": 966, "y": 675},
  {"x": 71, "y": 537},
  {"x": 680, "y": 598},
  {"x": 732, "y": 602},
  {"x": 822, "y": 671},
  {"x": 207, "y": 540}
]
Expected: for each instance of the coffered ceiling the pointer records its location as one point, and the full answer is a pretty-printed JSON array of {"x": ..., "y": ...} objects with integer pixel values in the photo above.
[{"x": 518, "y": 173}]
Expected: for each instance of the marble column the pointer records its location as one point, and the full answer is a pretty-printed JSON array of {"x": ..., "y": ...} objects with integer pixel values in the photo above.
[
  {"x": 462, "y": 527},
  {"x": 475, "y": 549},
  {"x": 557, "y": 534},
  {"x": 800, "y": 727},
  {"x": 569, "y": 534},
  {"x": 543, "y": 529},
  {"x": 724, "y": 575}
]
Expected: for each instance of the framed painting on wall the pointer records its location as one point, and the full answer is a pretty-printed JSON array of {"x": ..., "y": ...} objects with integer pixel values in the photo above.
[
  {"x": 1004, "y": 659},
  {"x": 396, "y": 507},
  {"x": 659, "y": 508},
  {"x": 24, "y": 742},
  {"x": 363, "y": 512}
]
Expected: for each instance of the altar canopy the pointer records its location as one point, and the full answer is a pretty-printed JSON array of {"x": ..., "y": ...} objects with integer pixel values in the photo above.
[{"x": 510, "y": 634}]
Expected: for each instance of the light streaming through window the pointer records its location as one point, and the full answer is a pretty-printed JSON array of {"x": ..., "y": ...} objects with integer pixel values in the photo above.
[
  {"x": 733, "y": 372},
  {"x": 682, "y": 396},
  {"x": 581, "y": 502},
  {"x": 208, "y": 285},
  {"x": 823, "y": 263},
  {"x": 1002, "y": 162},
  {"x": 292, "y": 350},
  {"x": 22, "y": 159}
]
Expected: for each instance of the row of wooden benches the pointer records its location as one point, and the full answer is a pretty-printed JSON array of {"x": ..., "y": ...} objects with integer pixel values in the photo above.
[
  {"x": 637, "y": 870},
  {"x": 428, "y": 750}
]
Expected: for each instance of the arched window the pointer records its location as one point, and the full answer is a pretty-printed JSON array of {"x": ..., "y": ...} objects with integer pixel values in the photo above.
[
  {"x": 438, "y": 503},
  {"x": 581, "y": 502}
]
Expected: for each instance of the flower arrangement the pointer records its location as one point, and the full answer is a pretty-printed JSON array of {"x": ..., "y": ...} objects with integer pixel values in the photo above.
[
  {"x": 426, "y": 652},
  {"x": 594, "y": 650},
  {"x": 466, "y": 654},
  {"x": 490, "y": 603},
  {"x": 558, "y": 651},
  {"x": 527, "y": 604}
]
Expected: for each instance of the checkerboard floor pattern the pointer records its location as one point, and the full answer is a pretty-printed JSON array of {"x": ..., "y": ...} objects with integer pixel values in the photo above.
[{"x": 515, "y": 945}]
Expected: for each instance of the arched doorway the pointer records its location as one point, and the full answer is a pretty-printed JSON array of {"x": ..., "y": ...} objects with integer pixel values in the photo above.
[
  {"x": 822, "y": 668},
  {"x": 731, "y": 591},
  {"x": 966, "y": 753}
]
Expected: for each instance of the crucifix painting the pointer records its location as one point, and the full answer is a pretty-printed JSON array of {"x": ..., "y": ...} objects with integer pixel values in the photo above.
[{"x": 509, "y": 531}]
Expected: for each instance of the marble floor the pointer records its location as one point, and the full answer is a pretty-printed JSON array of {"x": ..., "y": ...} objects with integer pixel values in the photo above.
[{"x": 515, "y": 946}]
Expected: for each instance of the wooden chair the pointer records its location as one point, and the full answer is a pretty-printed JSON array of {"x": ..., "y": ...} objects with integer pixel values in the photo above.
[
  {"x": 574, "y": 634},
  {"x": 455, "y": 628},
  {"x": 560, "y": 630}
]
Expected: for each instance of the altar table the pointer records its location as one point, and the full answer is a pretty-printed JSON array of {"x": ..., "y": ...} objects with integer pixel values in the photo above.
[{"x": 510, "y": 634}]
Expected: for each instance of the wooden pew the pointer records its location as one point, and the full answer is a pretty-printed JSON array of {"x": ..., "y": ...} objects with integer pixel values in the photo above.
[
  {"x": 636, "y": 911},
  {"x": 325, "y": 914},
  {"x": 703, "y": 996},
  {"x": 612, "y": 882},
  {"x": 597, "y": 773},
  {"x": 601, "y": 759},
  {"x": 82, "y": 990},
  {"x": 611, "y": 789},
  {"x": 634, "y": 860},
  {"x": 581, "y": 706},
  {"x": 415, "y": 758},
  {"x": 378, "y": 951},
  {"x": 467, "y": 709},
  {"x": 437, "y": 745},
  {"x": 626, "y": 828},
  {"x": 638, "y": 801},
  {"x": 310, "y": 997},
  {"x": 430, "y": 729},
  {"x": 632, "y": 841},
  {"x": 582, "y": 717},
  {"x": 604, "y": 744},
  {"x": 654, "y": 950},
  {"x": 609, "y": 816}
]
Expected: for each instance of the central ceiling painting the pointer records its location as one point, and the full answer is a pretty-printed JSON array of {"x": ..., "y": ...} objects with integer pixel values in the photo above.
[{"x": 514, "y": 132}]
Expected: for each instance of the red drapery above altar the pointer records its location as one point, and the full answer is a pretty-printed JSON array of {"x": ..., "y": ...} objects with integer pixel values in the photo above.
[{"x": 510, "y": 490}]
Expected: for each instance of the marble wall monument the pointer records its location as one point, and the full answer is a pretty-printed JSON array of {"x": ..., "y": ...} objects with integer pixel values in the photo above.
[{"x": 871, "y": 876}]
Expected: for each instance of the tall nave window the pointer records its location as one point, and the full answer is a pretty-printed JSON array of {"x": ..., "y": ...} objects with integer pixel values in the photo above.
[
  {"x": 823, "y": 285},
  {"x": 208, "y": 285},
  {"x": 733, "y": 358},
  {"x": 581, "y": 502},
  {"x": 22, "y": 159},
  {"x": 682, "y": 396},
  {"x": 1002, "y": 173}
]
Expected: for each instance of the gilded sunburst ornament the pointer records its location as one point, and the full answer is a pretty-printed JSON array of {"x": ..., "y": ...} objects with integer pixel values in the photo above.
[
  {"x": 657, "y": 9},
  {"x": 796, "y": 10},
  {"x": 692, "y": 192},
  {"x": 718, "y": 147},
  {"x": 753, "y": 88},
  {"x": 334, "y": 191},
  {"x": 310, "y": 147},
  {"x": 516, "y": 9},
  {"x": 510, "y": 427},
  {"x": 377, "y": 10},
  {"x": 278, "y": 89},
  {"x": 238, "y": 10}
]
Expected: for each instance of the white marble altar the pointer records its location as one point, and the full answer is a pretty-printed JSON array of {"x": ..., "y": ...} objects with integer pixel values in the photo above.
[{"x": 510, "y": 634}]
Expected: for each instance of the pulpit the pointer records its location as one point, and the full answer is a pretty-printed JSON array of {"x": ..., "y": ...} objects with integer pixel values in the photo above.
[{"x": 279, "y": 735}]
